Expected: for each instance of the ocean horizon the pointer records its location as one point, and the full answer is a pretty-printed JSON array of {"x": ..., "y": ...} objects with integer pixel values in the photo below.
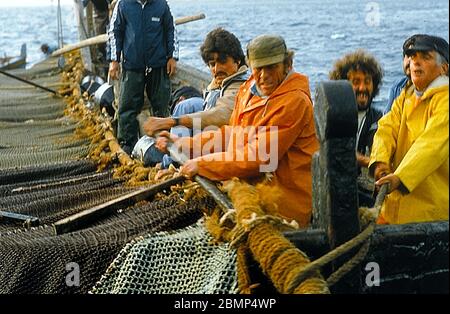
[{"x": 318, "y": 32}]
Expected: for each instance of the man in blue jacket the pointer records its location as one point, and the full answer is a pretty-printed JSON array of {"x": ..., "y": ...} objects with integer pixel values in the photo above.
[
  {"x": 401, "y": 83},
  {"x": 142, "y": 37}
]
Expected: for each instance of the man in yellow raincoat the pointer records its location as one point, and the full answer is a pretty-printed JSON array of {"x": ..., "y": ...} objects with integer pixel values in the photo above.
[
  {"x": 271, "y": 129},
  {"x": 410, "y": 150}
]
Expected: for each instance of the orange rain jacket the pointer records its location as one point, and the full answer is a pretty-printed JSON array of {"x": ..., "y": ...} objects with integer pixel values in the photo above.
[{"x": 289, "y": 109}]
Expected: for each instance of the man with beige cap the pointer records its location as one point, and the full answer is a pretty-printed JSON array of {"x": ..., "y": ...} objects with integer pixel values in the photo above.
[{"x": 275, "y": 103}]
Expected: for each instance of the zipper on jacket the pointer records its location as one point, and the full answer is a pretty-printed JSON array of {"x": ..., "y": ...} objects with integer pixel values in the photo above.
[
  {"x": 142, "y": 37},
  {"x": 142, "y": 3}
]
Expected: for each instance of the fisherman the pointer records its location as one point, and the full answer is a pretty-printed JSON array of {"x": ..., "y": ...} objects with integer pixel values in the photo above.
[
  {"x": 101, "y": 20},
  {"x": 365, "y": 75},
  {"x": 101, "y": 17},
  {"x": 273, "y": 113},
  {"x": 152, "y": 151},
  {"x": 47, "y": 50},
  {"x": 143, "y": 31},
  {"x": 222, "y": 53},
  {"x": 183, "y": 93},
  {"x": 401, "y": 83},
  {"x": 410, "y": 149}
]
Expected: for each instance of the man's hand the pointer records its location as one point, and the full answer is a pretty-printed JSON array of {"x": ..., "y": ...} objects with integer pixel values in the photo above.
[
  {"x": 168, "y": 135},
  {"x": 381, "y": 170},
  {"x": 161, "y": 144},
  {"x": 189, "y": 169},
  {"x": 171, "y": 66},
  {"x": 392, "y": 179},
  {"x": 363, "y": 161},
  {"x": 114, "y": 70},
  {"x": 154, "y": 124}
]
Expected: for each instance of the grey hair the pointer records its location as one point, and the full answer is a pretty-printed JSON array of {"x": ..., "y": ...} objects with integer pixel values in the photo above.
[{"x": 440, "y": 60}]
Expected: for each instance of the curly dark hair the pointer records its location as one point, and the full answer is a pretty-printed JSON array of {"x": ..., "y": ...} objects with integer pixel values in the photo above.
[
  {"x": 358, "y": 60},
  {"x": 224, "y": 43}
]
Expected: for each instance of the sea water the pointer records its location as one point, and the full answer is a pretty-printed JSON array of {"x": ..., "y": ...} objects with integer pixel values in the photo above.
[{"x": 319, "y": 32}]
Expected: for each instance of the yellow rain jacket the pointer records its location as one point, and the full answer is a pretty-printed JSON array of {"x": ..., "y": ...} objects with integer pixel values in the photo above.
[
  {"x": 289, "y": 109},
  {"x": 413, "y": 139}
]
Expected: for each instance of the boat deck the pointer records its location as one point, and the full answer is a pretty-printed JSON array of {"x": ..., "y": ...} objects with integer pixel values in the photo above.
[{"x": 46, "y": 175}]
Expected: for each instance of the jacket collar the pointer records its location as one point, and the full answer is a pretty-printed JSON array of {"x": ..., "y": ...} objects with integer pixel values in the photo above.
[
  {"x": 213, "y": 85},
  {"x": 437, "y": 84},
  {"x": 144, "y": 2},
  {"x": 255, "y": 90},
  {"x": 293, "y": 82}
]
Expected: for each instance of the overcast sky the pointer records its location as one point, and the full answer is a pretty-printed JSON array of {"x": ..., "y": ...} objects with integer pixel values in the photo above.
[{"x": 27, "y": 3}]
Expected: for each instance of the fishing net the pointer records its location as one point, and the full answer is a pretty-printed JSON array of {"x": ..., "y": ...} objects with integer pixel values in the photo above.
[
  {"x": 51, "y": 205},
  {"x": 183, "y": 261},
  {"x": 55, "y": 191},
  {"x": 36, "y": 157},
  {"x": 32, "y": 175},
  {"x": 44, "y": 174},
  {"x": 33, "y": 129},
  {"x": 44, "y": 110},
  {"x": 36, "y": 260}
]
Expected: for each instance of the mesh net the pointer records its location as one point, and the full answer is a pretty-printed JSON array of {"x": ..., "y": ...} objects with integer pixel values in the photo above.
[
  {"x": 33, "y": 129},
  {"x": 43, "y": 173},
  {"x": 183, "y": 261},
  {"x": 35, "y": 261},
  {"x": 32, "y": 175}
]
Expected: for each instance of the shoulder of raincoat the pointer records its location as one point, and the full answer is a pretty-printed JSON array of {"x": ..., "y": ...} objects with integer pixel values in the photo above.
[
  {"x": 284, "y": 143},
  {"x": 413, "y": 140}
]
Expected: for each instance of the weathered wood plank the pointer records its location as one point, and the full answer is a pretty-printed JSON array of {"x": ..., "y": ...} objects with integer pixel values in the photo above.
[
  {"x": 334, "y": 172},
  {"x": 412, "y": 258},
  {"x": 87, "y": 216}
]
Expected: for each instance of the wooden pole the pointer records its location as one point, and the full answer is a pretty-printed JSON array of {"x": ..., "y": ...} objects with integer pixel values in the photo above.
[
  {"x": 221, "y": 199},
  {"x": 91, "y": 33},
  {"x": 31, "y": 221},
  {"x": 191, "y": 18},
  {"x": 103, "y": 38},
  {"x": 29, "y": 82},
  {"x": 91, "y": 215},
  {"x": 82, "y": 35}
]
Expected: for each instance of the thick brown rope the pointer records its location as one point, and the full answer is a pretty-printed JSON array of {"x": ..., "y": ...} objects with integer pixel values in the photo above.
[
  {"x": 348, "y": 266},
  {"x": 243, "y": 275},
  {"x": 368, "y": 217},
  {"x": 279, "y": 259},
  {"x": 331, "y": 256}
]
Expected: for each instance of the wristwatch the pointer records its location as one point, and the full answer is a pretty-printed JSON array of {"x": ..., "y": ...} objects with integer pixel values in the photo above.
[{"x": 176, "y": 120}]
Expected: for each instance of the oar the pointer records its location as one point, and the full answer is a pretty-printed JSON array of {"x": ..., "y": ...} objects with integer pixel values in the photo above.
[
  {"x": 29, "y": 82},
  {"x": 221, "y": 199},
  {"x": 103, "y": 38}
]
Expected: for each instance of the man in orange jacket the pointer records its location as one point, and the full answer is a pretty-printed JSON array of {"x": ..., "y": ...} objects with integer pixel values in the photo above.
[{"x": 271, "y": 129}]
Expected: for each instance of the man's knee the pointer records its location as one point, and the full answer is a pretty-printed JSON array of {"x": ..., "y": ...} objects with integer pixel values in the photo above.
[{"x": 187, "y": 106}]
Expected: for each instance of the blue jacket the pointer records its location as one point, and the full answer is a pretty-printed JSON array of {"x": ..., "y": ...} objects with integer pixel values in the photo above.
[
  {"x": 145, "y": 34},
  {"x": 394, "y": 92}
]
